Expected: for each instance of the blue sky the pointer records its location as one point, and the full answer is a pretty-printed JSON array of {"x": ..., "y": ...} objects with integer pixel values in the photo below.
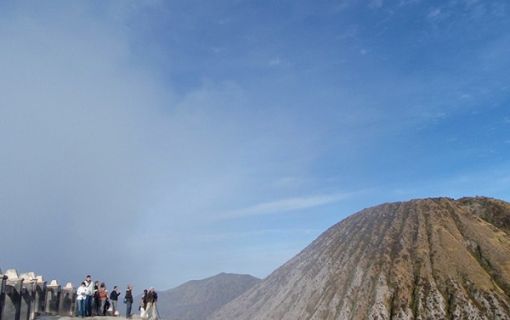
[{"x": 155, "y": 142}]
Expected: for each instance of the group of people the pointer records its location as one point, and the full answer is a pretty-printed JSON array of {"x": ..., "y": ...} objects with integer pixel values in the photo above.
[
  {"x": 148, "y": 305},
  {"x": 93, "y": 299}
]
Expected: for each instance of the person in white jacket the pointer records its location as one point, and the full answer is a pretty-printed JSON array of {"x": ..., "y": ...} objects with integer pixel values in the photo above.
[
  {"x": 90, "y": 293},
  {"x": 81, "y": 298}
]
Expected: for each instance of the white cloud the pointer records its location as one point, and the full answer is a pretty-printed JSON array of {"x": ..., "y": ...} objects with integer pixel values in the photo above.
[
  {"x": 350, "y": 32},
  {"x": 288, "y": 205},
  {"x": 93, "y": 144},
  {"x": 434, "y": 13},
  {"x": 408, "y": 2},
  {"x": 376, "y": 4},
  {"x": 275, "y": 61},
  {"x": 289, "y": 182},
  {"x": 219, "y": 237}
]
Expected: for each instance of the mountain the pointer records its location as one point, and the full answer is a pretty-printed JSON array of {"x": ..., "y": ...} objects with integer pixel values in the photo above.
[
  {"x": 195, "y": 300},
  {"x": 423, "y": 259}
]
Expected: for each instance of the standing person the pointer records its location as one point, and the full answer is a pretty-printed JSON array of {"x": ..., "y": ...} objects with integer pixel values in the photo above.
[
  {"x": 128, "y": 299},
  {"x": 106, "y": 305},
  {"x": 152, "y": 299},
  {"x": 97, "y": 304},
  {"x": 81, "y": 297},
  {"x": 103, "y": 296},
  {"x": 114, "y": 297},
  {"x": 90, "y": 293},
  {"x": 143, "y": 305}
]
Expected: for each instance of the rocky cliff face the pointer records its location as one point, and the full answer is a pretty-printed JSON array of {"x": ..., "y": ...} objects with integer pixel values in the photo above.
[
  {"x": 197, "y": 299},
  {"x": 423, "y": 259}
]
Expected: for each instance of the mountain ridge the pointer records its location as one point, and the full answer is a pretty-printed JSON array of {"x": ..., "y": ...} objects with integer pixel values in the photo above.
[
  {"x": 197, "y": 299},
  {"x": 436, "y": 258}
]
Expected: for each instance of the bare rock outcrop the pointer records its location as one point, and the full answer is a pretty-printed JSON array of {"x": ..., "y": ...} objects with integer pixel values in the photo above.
[{"x": 423, "y": 259}]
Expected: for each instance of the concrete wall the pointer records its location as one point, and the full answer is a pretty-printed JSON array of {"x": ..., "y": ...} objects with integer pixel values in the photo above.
[{"x": 25, "y": 296}]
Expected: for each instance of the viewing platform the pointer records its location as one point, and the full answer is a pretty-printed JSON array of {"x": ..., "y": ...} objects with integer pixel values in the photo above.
[{"x": 28, "y": 296}]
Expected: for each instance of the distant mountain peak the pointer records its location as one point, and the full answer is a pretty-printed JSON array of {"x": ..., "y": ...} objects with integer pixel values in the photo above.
[{"x": 198, "y": 299}]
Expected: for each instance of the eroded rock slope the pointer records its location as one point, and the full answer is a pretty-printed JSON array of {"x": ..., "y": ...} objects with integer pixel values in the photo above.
[{"x": 423, "y": 259}]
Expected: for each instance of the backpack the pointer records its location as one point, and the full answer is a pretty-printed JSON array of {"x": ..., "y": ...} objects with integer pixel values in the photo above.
[{"x": 102, "y": 294}]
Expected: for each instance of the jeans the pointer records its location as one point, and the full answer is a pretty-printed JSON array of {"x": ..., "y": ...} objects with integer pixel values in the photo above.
[
  {"x": 82, "y": 312},
  {"x": 101, "y": 307},
  {"x": 97, "y": 307},
  {"x": 114, "y": 306},
  {"x": 88, "y": 306},
  {"x": 129, "y": 304}
]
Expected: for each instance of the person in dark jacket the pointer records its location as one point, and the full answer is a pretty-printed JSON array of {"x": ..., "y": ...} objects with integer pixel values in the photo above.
[
  {"x": 128, "y": 300},
  {"x": 144, "y": 300},
  {"x": 97, "y": 301},
  {"x": 114, "y": 297}
]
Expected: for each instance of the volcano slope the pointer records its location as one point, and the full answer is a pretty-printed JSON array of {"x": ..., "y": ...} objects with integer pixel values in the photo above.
[
  {"x": 196, "y": 299},
  {"x": 423, "y": 259}
]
